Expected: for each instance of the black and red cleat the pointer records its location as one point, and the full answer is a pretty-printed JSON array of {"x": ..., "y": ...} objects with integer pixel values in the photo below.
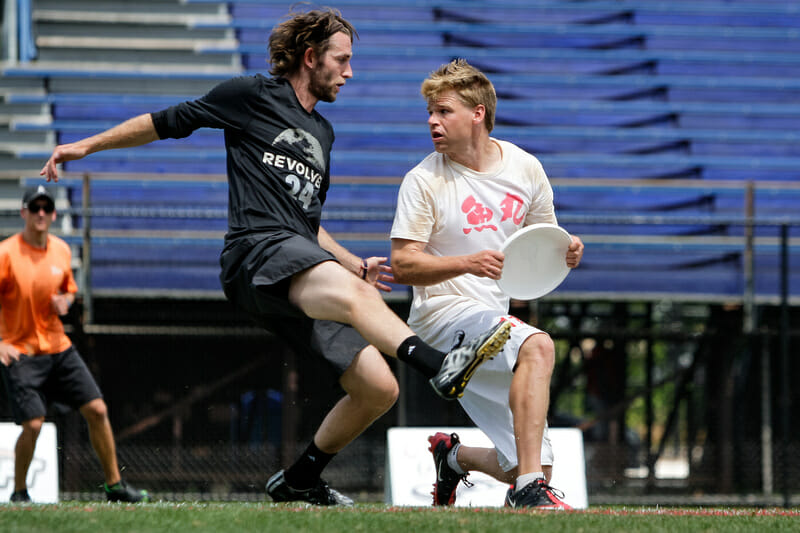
[
  {"x": 536, "y": 495},
  {"x": 444, "y": 489}
]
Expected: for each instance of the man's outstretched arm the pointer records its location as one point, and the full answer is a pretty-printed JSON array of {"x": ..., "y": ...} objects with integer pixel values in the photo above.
[{"x": 133, "y": 132}]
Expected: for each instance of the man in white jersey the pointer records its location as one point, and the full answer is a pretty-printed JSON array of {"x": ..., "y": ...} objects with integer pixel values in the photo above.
[{"x": 455, "y": 209}]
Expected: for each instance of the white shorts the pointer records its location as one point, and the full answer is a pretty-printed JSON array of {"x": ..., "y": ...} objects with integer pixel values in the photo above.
[{"x": 485, "y": 399}]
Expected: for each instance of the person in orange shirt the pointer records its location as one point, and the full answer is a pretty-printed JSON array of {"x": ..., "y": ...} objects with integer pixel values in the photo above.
[{"x": 39, "y": 363}]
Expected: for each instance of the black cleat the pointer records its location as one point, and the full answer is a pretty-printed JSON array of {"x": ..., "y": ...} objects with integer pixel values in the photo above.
[
  {"x": 462, "y": 361},
  {"x": 122, "y": 492},
  {"x": 320, "y": 494},
  {"x": 536, "y": 495},
  {"x": 444, "y": 490},
  {"x": 20, "y": 496}
]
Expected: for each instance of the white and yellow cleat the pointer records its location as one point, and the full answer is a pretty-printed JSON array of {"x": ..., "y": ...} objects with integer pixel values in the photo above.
[{"x": 461, "y": 362}]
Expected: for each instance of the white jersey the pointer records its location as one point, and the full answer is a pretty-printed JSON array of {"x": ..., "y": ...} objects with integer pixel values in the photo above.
[{"x": 458, "y": 211}]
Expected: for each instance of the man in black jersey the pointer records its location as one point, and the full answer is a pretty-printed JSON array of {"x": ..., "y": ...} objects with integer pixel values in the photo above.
[{"x": 278, "y": 263}]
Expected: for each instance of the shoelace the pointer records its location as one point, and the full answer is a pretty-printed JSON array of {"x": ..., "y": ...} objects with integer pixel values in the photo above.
[
  {"x": 331, "y": 495},
  {"x": 455, "y": 440},
  {"x": 554, "y": 491},
  {"x": 545, "y": 487},
  {"x": 467, "y": 483}
]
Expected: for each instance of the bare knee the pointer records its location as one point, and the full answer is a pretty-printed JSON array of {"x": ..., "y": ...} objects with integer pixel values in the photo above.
[
  {"x": 392, "y": 392},
  {"x": 95, "y": 412},
  {"x": 370, "y": 382},
  {"x": 538, "y": 350},
  {"x": 382, "y": 395},
  {"x": 31, "y": 428}
]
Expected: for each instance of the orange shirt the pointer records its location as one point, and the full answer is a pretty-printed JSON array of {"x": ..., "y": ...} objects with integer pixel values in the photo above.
[{"x": 29, "y": 277}]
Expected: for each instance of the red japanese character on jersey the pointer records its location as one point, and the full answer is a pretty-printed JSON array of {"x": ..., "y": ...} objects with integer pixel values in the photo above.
[
  {"x": 477, "y": 215},
  {"x": 512, "y": 208}
]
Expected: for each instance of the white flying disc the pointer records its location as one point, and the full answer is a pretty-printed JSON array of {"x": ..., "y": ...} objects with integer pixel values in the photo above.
[{"x": 535, "y": 261}]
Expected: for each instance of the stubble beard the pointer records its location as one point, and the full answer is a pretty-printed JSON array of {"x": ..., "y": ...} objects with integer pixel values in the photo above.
[{"x": 321, "y": 87}]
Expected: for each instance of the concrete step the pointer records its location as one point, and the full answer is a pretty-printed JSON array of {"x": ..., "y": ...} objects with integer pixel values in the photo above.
[
  {"x": 133, "y": 57},
  {"x": 27, "y": 140},
  {"x": 142, "y": 12},
  {"x": 124, "y": 30},
  {"x": 33, "y": 84}
]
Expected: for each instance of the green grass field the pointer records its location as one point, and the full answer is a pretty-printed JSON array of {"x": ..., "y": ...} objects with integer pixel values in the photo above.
[{"x": 376, "y": 518}]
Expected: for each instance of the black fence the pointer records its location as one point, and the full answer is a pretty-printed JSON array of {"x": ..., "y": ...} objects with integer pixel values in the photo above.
[{"x": 676, "y": 404}]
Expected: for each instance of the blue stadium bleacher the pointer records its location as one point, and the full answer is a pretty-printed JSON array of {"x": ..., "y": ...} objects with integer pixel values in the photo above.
[
  {"x": 704, "y": 259},
  {"x": 599, "y": 90}
]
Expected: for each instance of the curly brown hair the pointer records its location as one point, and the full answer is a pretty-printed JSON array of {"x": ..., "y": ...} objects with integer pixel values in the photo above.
[{"x": 291, "y": 38}]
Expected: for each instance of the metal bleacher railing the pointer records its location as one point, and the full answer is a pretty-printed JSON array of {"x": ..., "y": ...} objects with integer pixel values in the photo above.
[{"x": 646, "y": 239}]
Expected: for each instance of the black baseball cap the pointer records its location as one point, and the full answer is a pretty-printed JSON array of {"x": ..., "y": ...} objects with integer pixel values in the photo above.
[{"x": 39, "y": 192}]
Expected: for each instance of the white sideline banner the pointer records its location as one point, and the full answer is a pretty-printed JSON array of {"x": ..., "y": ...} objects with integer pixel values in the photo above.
[
  {"x": 410, "y": 473},
  {"x": 43, "y": 472}
]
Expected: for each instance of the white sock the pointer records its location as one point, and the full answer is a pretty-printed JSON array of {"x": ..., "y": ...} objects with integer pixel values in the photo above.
[
  {"x": 526, "y": 479},
  {"x": 452, "y": 459}
]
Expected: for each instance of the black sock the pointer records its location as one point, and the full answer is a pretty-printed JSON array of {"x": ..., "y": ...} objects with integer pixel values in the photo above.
[
  {"x": 305, "y": 472},
  {"x": 420, "y": 356}
]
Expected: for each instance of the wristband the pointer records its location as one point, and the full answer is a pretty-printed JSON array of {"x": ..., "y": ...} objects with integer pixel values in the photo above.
[{"x": 364, "y": 268}]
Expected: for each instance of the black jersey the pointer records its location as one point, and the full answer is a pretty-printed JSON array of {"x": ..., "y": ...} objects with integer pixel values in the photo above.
[{"x": 278, "y": 154}]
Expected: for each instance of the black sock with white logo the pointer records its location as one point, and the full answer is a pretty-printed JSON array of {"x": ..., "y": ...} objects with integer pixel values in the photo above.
[
  {"x": 420, "y": 356},
  {"x": 305, "y": 472}
]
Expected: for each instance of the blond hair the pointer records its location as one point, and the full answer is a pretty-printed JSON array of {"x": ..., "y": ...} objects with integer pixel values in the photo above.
[{"x": 470, "y": 84}]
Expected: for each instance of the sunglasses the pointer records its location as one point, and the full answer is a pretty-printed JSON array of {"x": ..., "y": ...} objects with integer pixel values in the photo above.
[{"x": 35, "y": 208}]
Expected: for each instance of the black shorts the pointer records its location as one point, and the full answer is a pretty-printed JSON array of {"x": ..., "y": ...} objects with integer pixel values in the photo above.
[
  {"x": 33, "y": 383},
  {"x": 256, "y": 273}
]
